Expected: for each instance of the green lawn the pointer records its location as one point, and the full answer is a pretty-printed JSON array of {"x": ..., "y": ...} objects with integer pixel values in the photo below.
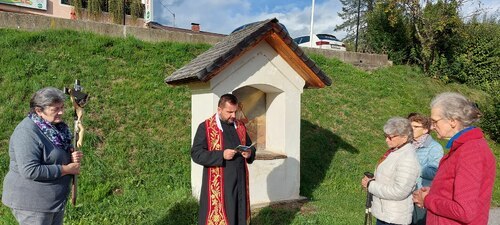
[{"x": 137, "y": 163}]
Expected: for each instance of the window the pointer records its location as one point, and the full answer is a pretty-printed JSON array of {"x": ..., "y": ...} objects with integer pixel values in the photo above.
[
  {"x": 302, "y": 39},
  {"x": 327, "y": 37}
]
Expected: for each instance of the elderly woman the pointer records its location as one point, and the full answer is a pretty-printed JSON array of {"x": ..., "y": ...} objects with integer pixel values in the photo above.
[
  {"x": 395, "y": 175},
  {"x": 462, "y": 188},
  {"x": 429, "y": 152},
  {"x": 37, "y": 184}
]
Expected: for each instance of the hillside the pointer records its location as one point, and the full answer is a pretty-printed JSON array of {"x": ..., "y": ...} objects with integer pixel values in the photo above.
[{"x": 137, "y": 163}]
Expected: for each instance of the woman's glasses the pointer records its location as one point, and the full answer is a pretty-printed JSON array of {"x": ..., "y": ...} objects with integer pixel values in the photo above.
[
  {"x": 434, "y": 122},
  {"x": 390, "y": 136}
]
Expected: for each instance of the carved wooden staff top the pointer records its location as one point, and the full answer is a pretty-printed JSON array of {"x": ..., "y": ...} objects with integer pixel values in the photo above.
[{"x": 79, "y": 100}]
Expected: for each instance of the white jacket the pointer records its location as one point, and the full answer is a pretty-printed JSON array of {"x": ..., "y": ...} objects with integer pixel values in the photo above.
[{"x": 395, "y": 180}]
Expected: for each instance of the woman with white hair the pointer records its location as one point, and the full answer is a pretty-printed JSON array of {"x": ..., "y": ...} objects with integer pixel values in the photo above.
[
  {"x": 462, "y": 188},
  {"x": 395, "y": 175},
  {"x": 37, "y": 184}
]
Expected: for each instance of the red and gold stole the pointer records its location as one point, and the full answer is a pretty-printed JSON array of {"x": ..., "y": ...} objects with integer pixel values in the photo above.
[{"x": 216, "y": 214}]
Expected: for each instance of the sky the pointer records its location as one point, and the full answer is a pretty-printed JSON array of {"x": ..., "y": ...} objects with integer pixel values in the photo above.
[{"x": 223, "y": 16}]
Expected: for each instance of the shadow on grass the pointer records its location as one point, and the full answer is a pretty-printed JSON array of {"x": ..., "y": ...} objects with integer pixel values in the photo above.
[
  {"x": 277, "y": 214},
  {"x": 184, "y": 212},
  {"x": 318, "y": 147}
]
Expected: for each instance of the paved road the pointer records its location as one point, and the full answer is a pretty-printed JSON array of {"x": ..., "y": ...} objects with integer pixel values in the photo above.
[{"x": 494, "y": 216}]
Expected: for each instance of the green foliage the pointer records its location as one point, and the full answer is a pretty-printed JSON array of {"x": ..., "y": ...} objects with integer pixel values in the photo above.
[
  {"x": 479, "y": 56},
  {"x": 136, "y": 8},
  {"x": 438, "y": 34},
  {"x": 477, "y": 63},
  {"x": 77, "y": 4},
  {"x": 94, "y": 8},
  {"x": 388, "y": 32},
  {"x": 349, "y": 15},
  {"x": 436, "y": 39},
  {"x": 136, "y": 168},
  {"x": 116, "y": 10},
  {"x": 491, "y": 120}
]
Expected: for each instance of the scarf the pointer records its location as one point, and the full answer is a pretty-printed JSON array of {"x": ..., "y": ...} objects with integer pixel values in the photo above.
[
  {"x": 385, "y": 155},
  {"x": 58, "y": 134},
  {"x": 419, "y": 142},
  {"x": 450, "y": 142}
]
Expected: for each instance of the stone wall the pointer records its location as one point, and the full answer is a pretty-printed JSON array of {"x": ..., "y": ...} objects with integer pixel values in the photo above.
[
  {"x": 32, "y": 22},
  {"x": 362, "y": 60}
]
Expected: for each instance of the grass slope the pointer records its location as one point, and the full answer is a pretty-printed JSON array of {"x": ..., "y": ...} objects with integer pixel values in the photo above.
[{"x": 137, "y": 162}]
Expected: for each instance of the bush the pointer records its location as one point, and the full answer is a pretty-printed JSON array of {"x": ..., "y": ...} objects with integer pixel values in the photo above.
[
  {"x": 478, "y": 64},
  {"x": 388, "y": 32},
  {"x": 491, "y": 121}
]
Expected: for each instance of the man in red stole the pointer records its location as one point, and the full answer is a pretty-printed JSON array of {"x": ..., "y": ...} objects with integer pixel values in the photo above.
[{"x": 224, "y": 197}]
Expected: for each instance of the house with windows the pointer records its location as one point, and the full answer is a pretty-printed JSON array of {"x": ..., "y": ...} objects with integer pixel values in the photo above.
[{"x": 64, "y": 9}]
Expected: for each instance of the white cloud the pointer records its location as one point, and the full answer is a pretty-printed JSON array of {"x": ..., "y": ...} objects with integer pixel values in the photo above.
[
  {"x": 222, "y": 16},
  {"x": 484, "y": 6}
]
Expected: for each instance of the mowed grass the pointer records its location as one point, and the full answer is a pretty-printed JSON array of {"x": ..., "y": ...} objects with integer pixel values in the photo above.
[{"x": 137, "y": 139}]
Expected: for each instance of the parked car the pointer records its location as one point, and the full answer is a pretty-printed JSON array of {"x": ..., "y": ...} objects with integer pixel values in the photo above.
[{"x": 324, "y": 41}]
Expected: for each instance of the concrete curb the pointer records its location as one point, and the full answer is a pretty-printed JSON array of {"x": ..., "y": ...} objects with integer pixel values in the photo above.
[{"x": 494, "y": 216}]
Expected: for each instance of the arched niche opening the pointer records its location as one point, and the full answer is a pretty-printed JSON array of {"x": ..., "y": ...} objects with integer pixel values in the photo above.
[{"x": 256, "y": 102}]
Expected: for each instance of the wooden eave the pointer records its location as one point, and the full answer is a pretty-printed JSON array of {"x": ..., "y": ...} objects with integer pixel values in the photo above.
[
  {"x": 277, "y": 37},
  {"x": 279, "y": 45}
]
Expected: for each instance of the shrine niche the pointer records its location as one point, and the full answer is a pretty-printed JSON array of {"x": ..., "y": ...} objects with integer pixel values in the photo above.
[
  {"x": 253, "y": 113},
  {"x": 268, "y": 72}
]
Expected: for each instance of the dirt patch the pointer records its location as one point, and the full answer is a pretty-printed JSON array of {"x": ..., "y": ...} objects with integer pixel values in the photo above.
[{"x": 295, "y": 206}]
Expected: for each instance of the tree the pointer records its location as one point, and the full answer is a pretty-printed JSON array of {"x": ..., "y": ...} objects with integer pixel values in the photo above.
[
  {"x": 389, "y": 31},
  {"x": 349, "y": 15},
  {"x": 437, "y": 31}
]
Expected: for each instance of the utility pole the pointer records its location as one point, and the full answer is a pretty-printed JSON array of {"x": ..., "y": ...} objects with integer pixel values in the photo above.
[
  {"x": 168, "y": 9},
  {"x": 124, "y": 11},
  {"x": 357, "y": 28},
  {"x": 312, "y": 25}
]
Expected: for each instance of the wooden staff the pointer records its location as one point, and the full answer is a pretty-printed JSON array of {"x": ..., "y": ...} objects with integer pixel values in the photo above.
[{"x": 79, "y": 99}]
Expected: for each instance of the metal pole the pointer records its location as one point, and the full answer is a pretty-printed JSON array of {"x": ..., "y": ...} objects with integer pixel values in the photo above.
[
  {"x": 124, "y": 12},
  {"x": 312, "y": 25},
  {"x": 357, "y": 28}
]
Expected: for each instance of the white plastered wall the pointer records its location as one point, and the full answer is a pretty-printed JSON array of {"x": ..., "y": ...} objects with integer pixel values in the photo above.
[{"x": 262, "y": 68}]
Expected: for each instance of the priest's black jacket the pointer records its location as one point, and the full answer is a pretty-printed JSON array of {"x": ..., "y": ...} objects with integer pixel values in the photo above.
[{"x": 234, "y": 172}]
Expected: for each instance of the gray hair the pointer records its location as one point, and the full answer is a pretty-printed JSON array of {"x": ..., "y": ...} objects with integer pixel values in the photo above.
[
  {"x": 398, "y": 126},
  {"x": 457, "y": 107},
  {"x": 46, "y": 97}
]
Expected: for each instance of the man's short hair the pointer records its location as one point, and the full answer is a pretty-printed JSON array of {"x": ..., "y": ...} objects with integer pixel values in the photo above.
[{"x": 227, "y": 98}]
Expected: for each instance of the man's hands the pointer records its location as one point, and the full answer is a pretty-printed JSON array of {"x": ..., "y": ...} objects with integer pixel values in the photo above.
[
  {"x": 246, "y": 154},
  {"x": 229, "y": 154}
]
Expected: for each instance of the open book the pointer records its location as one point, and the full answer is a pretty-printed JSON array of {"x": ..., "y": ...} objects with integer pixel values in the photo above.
[{"x": 243, "y": 148}]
